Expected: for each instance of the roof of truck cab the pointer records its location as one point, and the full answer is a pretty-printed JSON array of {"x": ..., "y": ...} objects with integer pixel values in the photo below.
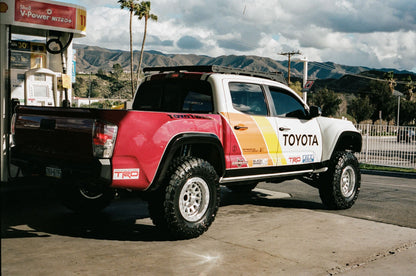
[{"x": 198, "y": 70}]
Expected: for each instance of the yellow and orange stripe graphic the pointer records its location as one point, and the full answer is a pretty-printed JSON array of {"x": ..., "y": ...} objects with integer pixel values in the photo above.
[{"x": 257, "y": 139}]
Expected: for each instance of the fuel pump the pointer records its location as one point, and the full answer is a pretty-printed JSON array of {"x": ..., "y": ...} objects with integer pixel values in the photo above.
[
  {"x": 39, "y": 70},
  {"x": 41, "y": 86},
  {"x": 35, "y": 50},
  {"x": 29, "y": 83},
  {"x": 55, "y": 46}
]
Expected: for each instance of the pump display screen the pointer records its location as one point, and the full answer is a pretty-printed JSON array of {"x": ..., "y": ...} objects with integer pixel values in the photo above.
[
  {"x": 40, "y": 77},
  {"x": 40, "y": 91}
]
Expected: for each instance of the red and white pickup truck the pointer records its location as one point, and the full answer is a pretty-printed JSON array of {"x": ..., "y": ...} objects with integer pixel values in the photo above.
[{"x": 191, "y": 129}]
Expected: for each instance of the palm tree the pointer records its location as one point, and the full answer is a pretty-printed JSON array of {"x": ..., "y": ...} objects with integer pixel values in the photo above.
[
  {"x": 132, "y": 7},
  {"x": 410, "y": 85},
  {"x": 143, "y": 11}
]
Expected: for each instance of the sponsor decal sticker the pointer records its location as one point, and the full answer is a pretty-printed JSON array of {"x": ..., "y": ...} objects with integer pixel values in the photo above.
[
  {"x": 260, "y": 162},
  {"x": 295, "y": 159},
  {"x": 239, "y": 163},
  {"x": 308, "y": 158},
  {"x": 126, "y": 174}
]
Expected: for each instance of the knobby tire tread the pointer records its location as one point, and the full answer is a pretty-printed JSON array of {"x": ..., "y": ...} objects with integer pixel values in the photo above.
[
  {"x": 329, "y": 189},
  {"x": 163, "y": 206}
]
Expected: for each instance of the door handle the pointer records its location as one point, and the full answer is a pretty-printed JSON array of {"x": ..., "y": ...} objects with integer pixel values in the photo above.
[
  {"x": 238, "y": 127},
  {"x": 284, "y": 128}
]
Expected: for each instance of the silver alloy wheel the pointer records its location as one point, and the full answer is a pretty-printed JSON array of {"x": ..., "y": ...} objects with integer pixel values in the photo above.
[
  {"x": 194, "y": 199},
  {"x": 348, "y": 181}
]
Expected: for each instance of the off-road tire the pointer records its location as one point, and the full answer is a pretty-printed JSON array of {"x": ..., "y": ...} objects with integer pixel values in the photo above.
[
  {"x": 340, "y": 185},
  {"x": 85, "y": 197},
  {"x": 187, "y": 204}
]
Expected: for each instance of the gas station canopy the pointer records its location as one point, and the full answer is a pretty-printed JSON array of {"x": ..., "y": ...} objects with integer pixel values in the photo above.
[{"x": 30, "y": 17}]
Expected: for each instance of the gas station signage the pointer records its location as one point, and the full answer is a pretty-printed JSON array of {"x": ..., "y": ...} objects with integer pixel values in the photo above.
[{"x": 45, "y": 14}]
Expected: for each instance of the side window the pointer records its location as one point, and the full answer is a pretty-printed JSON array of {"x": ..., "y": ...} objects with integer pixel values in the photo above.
[
  {"x": 286, "y": 104},
  {"x": 248, "y": 98}
]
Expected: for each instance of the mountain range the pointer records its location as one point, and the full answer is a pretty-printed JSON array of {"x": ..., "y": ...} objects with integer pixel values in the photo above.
[{"x": 93, "y": 58}]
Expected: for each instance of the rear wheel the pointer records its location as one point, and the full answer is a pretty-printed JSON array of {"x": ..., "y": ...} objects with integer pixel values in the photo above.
[
  {"x": 85, "y": 197},
  {"x": 340, "y": 186},
  {"x": 188, "y": 202}
]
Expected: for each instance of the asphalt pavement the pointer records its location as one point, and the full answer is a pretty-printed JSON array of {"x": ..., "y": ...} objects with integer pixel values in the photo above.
[{"x": 282, "y": 232}]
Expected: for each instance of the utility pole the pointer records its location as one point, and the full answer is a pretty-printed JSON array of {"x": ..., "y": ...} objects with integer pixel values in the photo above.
[{"x": 289, "y": 54}]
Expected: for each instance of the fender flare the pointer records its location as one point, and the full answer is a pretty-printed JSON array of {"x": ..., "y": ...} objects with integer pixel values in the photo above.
[
  {"x": 348, "y": 140},
  {"x": 188, "y": 139}
]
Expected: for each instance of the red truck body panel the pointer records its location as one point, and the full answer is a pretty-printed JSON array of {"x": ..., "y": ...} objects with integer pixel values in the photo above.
[{"x": 143, "y": 137}]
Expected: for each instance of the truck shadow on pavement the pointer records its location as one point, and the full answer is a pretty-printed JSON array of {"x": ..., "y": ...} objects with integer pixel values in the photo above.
[
  {"x": 39, "y": 214},
  {"x": 267, "y": 198},
  {"x": 124, "y": 220}
]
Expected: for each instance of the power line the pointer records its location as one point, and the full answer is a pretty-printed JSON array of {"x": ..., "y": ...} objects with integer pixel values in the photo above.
[
  {"x": 376, "y": 79},
  {"x": 331, "y": 67}
]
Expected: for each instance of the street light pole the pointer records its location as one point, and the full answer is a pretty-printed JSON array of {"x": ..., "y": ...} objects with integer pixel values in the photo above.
[
  {"x": 398, "y": 95},
  {"x": 305, "y": 77},
  {"x": 398, "y": 111}
]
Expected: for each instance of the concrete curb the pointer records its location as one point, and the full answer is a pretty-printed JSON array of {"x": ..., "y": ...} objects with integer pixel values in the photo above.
[{"x": 388, "y": 173}]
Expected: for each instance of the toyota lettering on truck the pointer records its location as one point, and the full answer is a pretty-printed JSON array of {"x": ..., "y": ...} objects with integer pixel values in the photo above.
[{"x": 190, "y": 130}]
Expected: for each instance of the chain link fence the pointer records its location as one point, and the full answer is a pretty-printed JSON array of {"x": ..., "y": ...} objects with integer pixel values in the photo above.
[{"x": 388, "y": 145}]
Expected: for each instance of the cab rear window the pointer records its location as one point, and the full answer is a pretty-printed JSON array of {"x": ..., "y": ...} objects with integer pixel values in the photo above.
[{"x": 174, "y": 95}]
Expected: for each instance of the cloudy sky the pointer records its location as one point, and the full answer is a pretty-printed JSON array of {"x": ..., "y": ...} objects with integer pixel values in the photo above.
[{"x": 373, "y": 33}]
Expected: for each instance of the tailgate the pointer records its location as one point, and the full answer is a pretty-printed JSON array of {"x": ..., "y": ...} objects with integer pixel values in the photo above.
[{"x": 54, "y": 133}]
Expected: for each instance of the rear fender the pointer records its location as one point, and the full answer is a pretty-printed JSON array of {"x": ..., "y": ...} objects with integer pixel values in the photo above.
[{"x": 203, "y": 145}]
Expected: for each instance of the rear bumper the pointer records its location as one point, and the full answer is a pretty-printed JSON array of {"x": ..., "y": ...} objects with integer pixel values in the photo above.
[{"x": 97, "y": 170}]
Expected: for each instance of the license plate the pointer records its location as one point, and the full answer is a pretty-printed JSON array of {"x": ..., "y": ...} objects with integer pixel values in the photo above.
[{"x": 53, "y": 172}]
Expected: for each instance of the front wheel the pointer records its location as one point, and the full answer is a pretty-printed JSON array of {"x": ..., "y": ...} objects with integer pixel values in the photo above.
[
  {"x": 339, "y": 187},
  {"x": 187, "y": 204}
]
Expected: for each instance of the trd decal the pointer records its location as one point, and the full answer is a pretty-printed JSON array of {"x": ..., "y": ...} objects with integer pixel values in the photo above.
[
  {"x": 126, "y": 174},
  {"x": 300, "y": 140},
  {"x": 295, "y": 159}
]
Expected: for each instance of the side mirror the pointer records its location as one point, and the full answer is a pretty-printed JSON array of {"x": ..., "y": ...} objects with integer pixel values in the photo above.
[{"x": 314, "y": 111}]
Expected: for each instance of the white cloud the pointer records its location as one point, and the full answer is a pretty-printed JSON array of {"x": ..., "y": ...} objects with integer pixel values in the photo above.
[{"x": 373, "y": 33}]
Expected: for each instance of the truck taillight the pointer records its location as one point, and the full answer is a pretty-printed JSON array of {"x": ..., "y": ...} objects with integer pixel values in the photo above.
[{"x": 103, "y": 139}]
